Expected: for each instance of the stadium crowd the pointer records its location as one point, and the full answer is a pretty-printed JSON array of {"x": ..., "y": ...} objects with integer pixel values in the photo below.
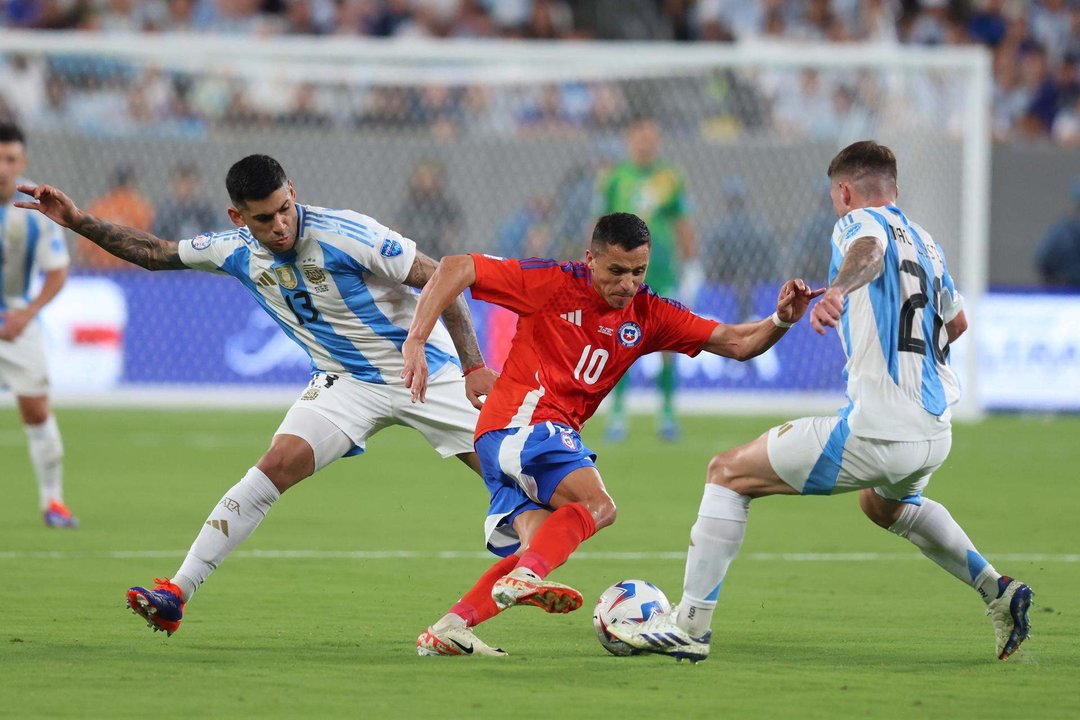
[{"x": 1036, "y": 47}]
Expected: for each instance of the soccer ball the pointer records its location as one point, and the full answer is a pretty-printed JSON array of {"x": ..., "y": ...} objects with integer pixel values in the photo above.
[{"x": 627, "y": 602}]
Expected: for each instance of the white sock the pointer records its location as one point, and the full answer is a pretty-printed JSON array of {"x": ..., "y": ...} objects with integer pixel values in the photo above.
[
  {"x": 47, "y": 457},
  {"x": 715, "y": 540},
  {"x": 932, "y": 529},
  {"x": 230, "y": 523}
]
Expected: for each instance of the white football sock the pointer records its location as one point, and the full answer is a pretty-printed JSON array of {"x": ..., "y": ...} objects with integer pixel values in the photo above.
[
  {"x": 932, "y": 529},
  {"x": 47, "y": 455},
  {"x": 715, "y": 540},
  {"x": 230, "y": 523}
]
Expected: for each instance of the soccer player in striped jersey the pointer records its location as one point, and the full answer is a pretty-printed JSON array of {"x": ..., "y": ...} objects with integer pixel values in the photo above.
[
  {"x": 341, "y": 286},
  {"x": 30, "y": 243},
  {"x": 896, "y": 309},
  {"x": 581, "y": 327}
]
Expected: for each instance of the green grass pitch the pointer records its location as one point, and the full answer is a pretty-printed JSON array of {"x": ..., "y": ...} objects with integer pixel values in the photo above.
[{"x": 880, "y": 635}]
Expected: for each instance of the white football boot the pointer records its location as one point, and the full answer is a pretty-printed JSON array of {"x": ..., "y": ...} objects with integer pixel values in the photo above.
[
  {"x": 453, "y": 638},
  {"x": 661, "y": 635},
  {"x": 1009, "y": 613}
]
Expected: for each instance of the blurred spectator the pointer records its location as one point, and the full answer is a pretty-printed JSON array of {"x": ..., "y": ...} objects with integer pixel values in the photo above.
[
  {"x": 430, "y": 215},
  {"x": 526, "y": 233},
  {"x": 740, "y": 249},
  {"x": 122, "y": 204},
  {"x": 1058, "y": 256},
  {"x": 987, "y": 23},
  {"x": 1041, "y": 93},
  {"x": 185, "y": 214},
  {"x": 808, "y": 254}
]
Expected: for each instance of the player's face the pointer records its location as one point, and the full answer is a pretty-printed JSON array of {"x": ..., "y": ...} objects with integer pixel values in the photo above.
[
  {"x": 617, "y": 274},
  {"x": 12, "y": 165},
  {"x": 271, "y": 220}
]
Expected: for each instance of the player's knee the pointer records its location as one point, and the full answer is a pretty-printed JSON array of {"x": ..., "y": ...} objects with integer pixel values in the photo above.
[
  {"x": 33, "y": 413},
  {"x": 883, "y": 513},
  {"x": 720, "y": 470},
  {"x": 603, "y": 511},
  {"x": 285, "y": 466}
]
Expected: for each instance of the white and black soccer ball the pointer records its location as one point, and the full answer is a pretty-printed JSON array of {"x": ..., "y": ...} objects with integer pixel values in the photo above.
[{"x": 627, "y": 602}]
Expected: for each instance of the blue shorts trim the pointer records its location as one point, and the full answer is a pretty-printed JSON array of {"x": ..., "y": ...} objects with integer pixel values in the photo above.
[{"x": 522, "y": 467}]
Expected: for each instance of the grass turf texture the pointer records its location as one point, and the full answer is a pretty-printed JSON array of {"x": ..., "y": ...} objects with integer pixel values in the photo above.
[{"x": 334, "y": 636}]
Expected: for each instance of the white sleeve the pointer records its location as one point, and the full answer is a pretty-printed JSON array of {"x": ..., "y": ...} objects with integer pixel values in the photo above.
[
  {"x": 858, "y": 224},
  {"x": 380, "y": 250},
  {"x": 52, "y": 252},
  {"x": 952, "y": 302},
  {"x": 207, "y": 251}
]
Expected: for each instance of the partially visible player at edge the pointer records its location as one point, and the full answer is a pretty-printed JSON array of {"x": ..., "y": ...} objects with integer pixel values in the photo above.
[
  {"x": 581, "y": 326},
  {"x": 896, "y": 309},
  {"x": 29, "y": 243},
  {"x": 340, "y": 285}
]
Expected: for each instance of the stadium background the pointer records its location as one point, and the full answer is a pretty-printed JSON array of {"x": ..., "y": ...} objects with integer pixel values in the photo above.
[
  {"x": 459, "y": 157},
  {"x": 336, "y": 584}
]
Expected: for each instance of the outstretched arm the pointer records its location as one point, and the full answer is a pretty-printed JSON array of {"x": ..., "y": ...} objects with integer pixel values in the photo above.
[
  {"x": 458, "y": 321},
  {"x": 127, "y": 243},
  {"x": 748, "y": 340},
  {"x": 863, "y": 262}
]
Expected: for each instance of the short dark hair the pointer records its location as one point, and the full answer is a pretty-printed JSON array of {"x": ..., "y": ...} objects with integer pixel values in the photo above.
[
  {"x": 625, "y": 230},
  {"x": 254, "y": 178},
  {"x": 10, "y": 132},
  {"x": 863, "y": 158}
]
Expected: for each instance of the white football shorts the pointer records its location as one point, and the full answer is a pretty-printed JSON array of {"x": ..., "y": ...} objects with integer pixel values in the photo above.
[
  {"x": 820, "y": 456},
  {"x": 22, "y": 363},
  {"x": 360, "y": 409}
]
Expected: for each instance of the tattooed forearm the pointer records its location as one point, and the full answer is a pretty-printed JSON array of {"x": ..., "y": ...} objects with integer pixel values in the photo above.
[
  {"x": 862, "y": 263},
  {"x": 458, "y": 321},
  {"x": 127, "y": 243},
  {"x": 422, "y": 269},
  {"x": 456, "y": 316}
]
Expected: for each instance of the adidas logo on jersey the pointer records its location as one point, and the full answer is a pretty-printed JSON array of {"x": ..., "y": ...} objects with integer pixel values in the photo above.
[
  {"x": 574, "y": 316},
  {"x": 265, "y": 280}
]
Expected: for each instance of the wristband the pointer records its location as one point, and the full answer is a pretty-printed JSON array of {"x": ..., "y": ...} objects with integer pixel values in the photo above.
[
  {"x": 473, "y": 369},
  {"x": 778, "y": 322}
]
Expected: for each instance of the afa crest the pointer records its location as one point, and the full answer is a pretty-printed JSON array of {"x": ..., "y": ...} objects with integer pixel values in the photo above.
[
  {"x": 315, "y": 275},
  {"x": 629, "y": 334},
  {"x": 390, "y": 248},
  {"x": 286, "y": 276}
]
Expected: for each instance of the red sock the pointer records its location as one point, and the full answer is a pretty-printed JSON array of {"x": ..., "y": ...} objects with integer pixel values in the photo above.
[
  {"x": 477, "y": 606},
  {"x": 560, "y": 535}
]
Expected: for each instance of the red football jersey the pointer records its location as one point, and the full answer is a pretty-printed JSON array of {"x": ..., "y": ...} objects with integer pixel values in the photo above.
[{"x": 571, "y": 347}]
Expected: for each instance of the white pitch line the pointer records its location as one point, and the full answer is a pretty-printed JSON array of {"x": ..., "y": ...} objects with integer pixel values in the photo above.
[{"x": 471, "y": 555}]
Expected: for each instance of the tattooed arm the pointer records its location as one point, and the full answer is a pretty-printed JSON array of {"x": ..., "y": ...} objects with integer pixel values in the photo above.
[
  {"x": 458, "y": 321},
  {"x": 127, "y": 243},
  {"x": 863, "y": 262}
]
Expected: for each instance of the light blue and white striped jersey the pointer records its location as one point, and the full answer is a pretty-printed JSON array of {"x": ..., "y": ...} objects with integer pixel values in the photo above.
[
  {"x": 29, "y": 243},
  {"x": 898, "y": 377},
  {"x": 337, "y": 293}
]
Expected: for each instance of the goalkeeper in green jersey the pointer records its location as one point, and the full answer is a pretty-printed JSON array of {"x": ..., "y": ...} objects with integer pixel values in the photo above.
[{"x": 653, "y": 190}]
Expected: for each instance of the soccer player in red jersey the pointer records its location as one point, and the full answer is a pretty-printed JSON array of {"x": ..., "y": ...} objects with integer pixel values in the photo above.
[{"x": 581, "y": 327}]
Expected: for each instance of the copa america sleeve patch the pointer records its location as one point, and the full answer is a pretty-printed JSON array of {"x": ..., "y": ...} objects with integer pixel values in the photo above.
[
  {"x": 390, "y": 248},
  {"x": 201, "y": 242},
  {"x": 850, "y": 232}
]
